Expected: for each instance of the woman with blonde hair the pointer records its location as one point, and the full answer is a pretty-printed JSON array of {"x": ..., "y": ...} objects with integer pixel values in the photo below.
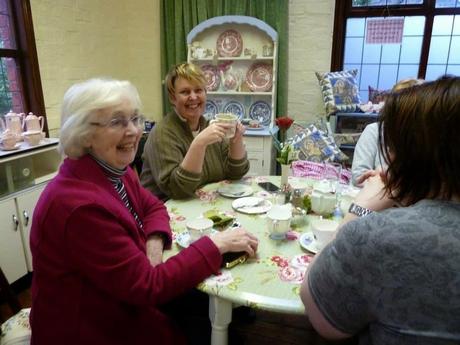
[{"x": 185, "y": 151}]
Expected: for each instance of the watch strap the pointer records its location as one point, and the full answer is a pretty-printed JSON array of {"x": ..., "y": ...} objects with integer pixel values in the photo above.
[{"x": 359, "y": 210}]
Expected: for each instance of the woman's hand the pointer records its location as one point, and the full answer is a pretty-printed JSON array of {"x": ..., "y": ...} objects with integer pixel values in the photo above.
[
  {"x": 240, "y": 129},
  {"x": 235, "y": 240},
  {"x": 155, "y": 249},
  {"x": 369, "y": 173},
  {"x": 214, "y": 133},
  {"x": 372, "y": 195}
]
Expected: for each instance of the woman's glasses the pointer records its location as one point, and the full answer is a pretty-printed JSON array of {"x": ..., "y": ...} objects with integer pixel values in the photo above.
[{"x": 121, "y": 122}]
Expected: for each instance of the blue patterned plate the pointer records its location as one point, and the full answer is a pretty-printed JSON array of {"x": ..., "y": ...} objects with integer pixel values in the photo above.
[
  {"x": 261, "y": 111},
  {"x": 211, "y": 110},
  {"x": 234, "y": 107}
]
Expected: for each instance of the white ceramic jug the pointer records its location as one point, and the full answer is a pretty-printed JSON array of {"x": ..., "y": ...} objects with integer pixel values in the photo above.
[
  {"x": 14, "y": 123},
  {"x": 33, "y": 123}
]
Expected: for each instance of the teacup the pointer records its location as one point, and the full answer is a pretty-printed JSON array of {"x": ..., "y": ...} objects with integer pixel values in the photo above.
[
  {"x": 324, "y": 231},
  {"x": 227, "y": 118},
  {"x": 279, "y": 221},
  {"x": 32, "y": 138},
  {"x": 198, "y": 228}
]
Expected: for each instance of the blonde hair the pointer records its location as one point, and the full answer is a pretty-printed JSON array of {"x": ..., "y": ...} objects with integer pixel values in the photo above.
[
  {"x": 405, "y": 83},
  {"x": 188, "y": 71},
  {"x": 82, "y": 101}
]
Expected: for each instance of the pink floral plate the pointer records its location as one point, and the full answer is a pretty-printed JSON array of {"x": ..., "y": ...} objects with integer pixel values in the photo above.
[
  {"x": 229, "y": 44},
  {"x": 260, "y": 77},
  {"x": 212, "y": 77}
]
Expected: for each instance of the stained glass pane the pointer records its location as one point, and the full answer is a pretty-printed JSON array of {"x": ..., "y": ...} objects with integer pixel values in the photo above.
[
  {"x": 371, "y": 3},
  {"x": 447, "y": 3},
  {"x": 10, "y": 93},
  {"x": 7, "y": 39}
]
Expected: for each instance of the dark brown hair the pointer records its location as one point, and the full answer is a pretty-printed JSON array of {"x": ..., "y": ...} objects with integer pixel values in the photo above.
[{"x": 419, "y": 136}]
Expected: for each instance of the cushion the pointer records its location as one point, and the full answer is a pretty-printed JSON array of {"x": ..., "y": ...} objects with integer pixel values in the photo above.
[
  {"x": 376, "y": 96},
  {"x": 315, "y": 171},
  {"x": 316, "y": 145},
  {"x": 340, "y": 91},
  {"x": 16, "y": 330}
]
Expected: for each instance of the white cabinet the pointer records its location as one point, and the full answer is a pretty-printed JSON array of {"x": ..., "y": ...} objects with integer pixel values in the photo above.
[
  {"x": 16, "y": 219},
  {"x": 23, "y": 176},
  {"x": 12, "y": 258},
  {"x": 260, "y": 151},
  {"x": 244, "y": 49}
]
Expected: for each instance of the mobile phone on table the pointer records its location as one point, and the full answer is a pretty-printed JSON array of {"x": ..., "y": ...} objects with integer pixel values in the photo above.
[
  {"x": 269, "y": 187},
  {"x": 232, "y": 259}
]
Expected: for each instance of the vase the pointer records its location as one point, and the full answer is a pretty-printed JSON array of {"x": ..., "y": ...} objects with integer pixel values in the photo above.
[{"x": 285, "y": 170}]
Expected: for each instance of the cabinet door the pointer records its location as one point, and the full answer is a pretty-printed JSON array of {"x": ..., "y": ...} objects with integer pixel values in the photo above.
[
  {"x": 26, "y": 205},
  {"x": 12, "y": 259},
  {"x": 256, "y": 164}
]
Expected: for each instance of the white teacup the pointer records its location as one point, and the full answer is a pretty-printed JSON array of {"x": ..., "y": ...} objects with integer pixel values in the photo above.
[
  {"x": 32, "y": 138},
  {"x": 227, "y": 118},
  {"x": 199, "y": 227},
  {"x": 324, "y": 231},
  {"x": 279, "y": 221}
]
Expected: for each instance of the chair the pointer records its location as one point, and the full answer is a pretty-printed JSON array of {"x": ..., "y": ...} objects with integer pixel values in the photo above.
[{"x": 15, "y": 330}]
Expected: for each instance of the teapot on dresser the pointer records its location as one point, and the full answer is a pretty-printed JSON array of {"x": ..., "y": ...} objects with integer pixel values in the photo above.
[
  {"x": 14, "y": 122},
  {"x": 33, "y": 123}
]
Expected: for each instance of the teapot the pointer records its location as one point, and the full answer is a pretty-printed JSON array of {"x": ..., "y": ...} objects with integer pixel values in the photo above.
[
  {"x": 33, "y": 123},
  {"x": 323, "y": 198},
  {"x": 230, "y": 80},
  {"x": 14, "y": 123}
]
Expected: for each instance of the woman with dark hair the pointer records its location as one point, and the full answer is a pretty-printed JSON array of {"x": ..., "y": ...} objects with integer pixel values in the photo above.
[{"x": 392, "y": 275}]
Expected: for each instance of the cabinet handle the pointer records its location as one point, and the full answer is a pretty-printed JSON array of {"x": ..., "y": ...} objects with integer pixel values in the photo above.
[
  {"x": 26, "y": 218},
  {"x": 15, "y": 222}
]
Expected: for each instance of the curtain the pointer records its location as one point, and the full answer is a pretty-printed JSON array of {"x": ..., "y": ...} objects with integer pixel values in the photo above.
[{"x": 179, "y": 17}]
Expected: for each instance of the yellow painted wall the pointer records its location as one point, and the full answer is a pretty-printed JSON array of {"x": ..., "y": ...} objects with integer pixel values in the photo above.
[
  {"x": 311, "y": 24},
  {"x": 77, "y": 40}
]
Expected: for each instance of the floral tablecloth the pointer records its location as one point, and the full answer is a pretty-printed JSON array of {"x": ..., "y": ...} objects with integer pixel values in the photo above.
[{"x": 271, "y": 281}]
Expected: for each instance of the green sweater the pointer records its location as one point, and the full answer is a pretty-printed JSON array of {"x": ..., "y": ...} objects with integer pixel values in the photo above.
[{"x": 164, "y": 151}]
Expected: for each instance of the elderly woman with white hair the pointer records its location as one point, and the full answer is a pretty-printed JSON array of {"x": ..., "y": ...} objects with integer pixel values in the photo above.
[{"x": 97, "y": 236}]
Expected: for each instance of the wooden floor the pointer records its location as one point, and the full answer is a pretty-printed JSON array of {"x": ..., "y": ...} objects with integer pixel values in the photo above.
[{"x": 248, "y": 328}]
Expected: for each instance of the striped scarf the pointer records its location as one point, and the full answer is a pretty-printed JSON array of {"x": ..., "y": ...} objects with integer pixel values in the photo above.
[{"x": 114, "y": 175}]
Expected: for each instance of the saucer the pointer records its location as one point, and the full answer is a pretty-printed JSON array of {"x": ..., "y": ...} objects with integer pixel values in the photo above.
[
  {"x": 260, "y": 128},
  {"x": 15, "y": 147},
  {"x": 235, "y": 190},
  {"x": 251, "y": 205},
  {"x": 308, "y": 242},
  {"x": 183, "y": 239}
]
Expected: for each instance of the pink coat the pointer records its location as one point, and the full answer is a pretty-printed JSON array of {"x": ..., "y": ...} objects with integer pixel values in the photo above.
[{"x": 92, "y": 282}]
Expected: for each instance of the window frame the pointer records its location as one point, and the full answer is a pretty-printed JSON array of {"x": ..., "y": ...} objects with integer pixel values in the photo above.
[
  {"x": 26, "y": 58},
  {"x": 344, "y": 10}
]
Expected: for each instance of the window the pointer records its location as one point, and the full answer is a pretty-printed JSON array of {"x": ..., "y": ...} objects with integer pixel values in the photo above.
[
  {"x": 20, "y": 85},
  {"x": 389, "y": 40}
]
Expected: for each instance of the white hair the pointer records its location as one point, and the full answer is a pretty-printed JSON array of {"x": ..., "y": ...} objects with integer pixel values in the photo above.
[{"x": 82, "y": 101}]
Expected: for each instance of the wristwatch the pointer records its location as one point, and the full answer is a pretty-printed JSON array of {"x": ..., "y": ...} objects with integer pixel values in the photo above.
[{"x": 359, "y": 210}]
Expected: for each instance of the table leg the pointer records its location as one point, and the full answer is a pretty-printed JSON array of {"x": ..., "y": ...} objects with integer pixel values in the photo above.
[{"x": 220, "y": 314}]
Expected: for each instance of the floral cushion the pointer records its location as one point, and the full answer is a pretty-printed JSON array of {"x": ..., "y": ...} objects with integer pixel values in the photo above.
[
  {"x": 16, "y": 330},
  {"x": 376, "y": 96},
  {"x": 340, "y": 91},
  {"x": 316, "y": 145}
]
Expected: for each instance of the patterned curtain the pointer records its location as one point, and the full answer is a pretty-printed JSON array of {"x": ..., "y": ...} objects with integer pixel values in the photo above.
[{"x": 179, "y": 17}]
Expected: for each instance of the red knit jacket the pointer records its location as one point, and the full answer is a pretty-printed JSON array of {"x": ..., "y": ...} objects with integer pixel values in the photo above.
[{"x": 92, "y": 281}]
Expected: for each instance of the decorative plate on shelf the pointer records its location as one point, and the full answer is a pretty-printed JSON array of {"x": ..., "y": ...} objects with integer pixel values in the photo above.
[
  {"x": 260, "y": 77},
  {"x": 210, "y": 110},
  {"x": 234, "y": 107},
  {"x": 229, "y": 44},
  {"x": 212, "y": 77},
  {"x": 261, "y": 111}
]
